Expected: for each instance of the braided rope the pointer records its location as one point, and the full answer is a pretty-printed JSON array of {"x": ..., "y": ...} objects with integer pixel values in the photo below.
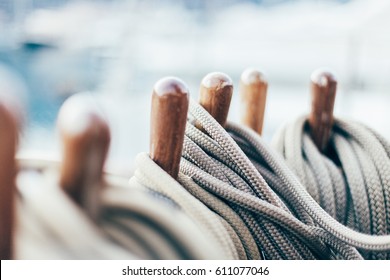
[
  {"x": 292, "y": 223},
  {"x": 358, "y": 172}
]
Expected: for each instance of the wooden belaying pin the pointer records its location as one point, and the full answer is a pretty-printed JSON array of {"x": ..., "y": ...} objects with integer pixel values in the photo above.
[
  {"x": 323, "y": 93},
  {"x": 170, "y": 101},
  {"x": 86, "y": 137},
  {"x": 216, "y": 92},
  {"x": 9, "y": 126},
  {"x": 253, "y": 95}
]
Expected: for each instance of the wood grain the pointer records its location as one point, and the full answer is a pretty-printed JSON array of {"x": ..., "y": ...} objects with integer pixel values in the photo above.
[
  {"x": 86, "y": 137},
  {"x": 216, "y": 92},
  {"x": 9, "y": 125},
  {"x": 168, "y": 121},
  {"x": 253, "y": 95},
  {"x": 323, "y": 93}
]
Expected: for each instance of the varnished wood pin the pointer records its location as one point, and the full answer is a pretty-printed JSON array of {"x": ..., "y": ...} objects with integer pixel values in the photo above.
[
  {"x": 323, "y": 93},
  {"x": 86, "y": 137},
  {"x": 168, "y": 121},
  {"x": 253, "y": 95},
  {"x": 216, "y": 92},
  {"x": 9, "y": 126}
]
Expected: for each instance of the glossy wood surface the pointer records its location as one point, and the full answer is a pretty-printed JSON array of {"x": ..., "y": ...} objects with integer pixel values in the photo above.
[
  {"x": 323, "y": 94},
  {"x": 216, "y": 92},
  {"x": 168, "y": 121},
  {"x": 253, "y": 95}
]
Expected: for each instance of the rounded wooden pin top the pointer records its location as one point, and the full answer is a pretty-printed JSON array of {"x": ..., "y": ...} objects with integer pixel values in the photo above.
[
  {"x": 168, "y": 121},
  {"x": 323, "y": 78},
  {"x": 216, "y": 92},
  {"x": 323, "y": 92},
  {"x": 252, "y": 76},
  {"x": 171, "y": 86},
  {"x": 253, "y": 94}
]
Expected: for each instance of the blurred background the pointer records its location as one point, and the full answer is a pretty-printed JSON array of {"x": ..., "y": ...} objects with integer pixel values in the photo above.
[{"x": 117, "y": 50}]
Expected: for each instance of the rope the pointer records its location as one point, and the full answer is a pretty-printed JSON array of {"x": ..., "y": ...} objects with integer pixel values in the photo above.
[
  {"x": 134, "y": 222},
  {"x": 153, "y": 177},
  {"x": 235, "y": 198},
  {"x": 352, "y": 183},
  {"x": 49, "y": 225},
  {"x": 286, "y": 222}
]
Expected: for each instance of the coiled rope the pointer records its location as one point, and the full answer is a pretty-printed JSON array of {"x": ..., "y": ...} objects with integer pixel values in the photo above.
[
  {"x": 133, "y": 222},
  {"x": 284, "y": 219},
  {"x": 351, "y": 183}
]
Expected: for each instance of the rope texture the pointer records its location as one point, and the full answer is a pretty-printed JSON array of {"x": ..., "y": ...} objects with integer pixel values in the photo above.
[
  {"x": 235, "y": 198},
  {"x": 282, "y": 216},
  {"x": 351, "y": 182}
]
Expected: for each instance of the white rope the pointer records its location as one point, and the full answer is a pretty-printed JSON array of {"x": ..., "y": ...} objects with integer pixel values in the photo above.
[
  {"x": 134, "y": 222},
  {"x": 352, "y": 184},
  {"x": 292, "y": 224}
]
